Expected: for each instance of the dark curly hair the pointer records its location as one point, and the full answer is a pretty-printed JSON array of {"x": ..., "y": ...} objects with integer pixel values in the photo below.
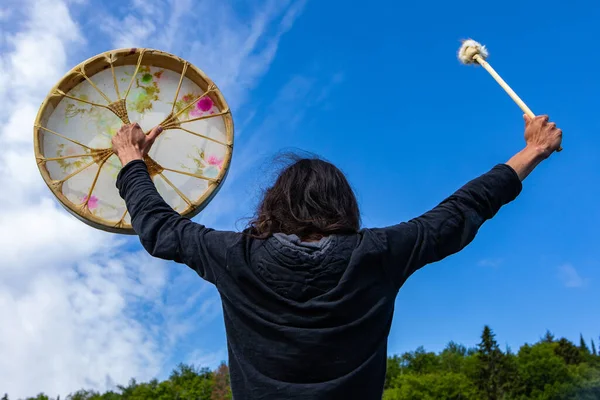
[{"x": 310, "y": 198}]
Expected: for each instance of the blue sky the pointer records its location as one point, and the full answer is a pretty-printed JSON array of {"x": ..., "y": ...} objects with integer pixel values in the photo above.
[
  {"x": 409, "y": 125},
  {"x": 375, "y": 88}
]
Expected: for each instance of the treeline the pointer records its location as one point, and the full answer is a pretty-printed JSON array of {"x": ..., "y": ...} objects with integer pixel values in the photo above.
[
  {"x": 551, "y": 369},
  {"x": 185, "y": 383}
]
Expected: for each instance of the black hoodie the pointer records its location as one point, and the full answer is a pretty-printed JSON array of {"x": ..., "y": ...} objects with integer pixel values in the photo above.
[{"x": 311, "y": 320}]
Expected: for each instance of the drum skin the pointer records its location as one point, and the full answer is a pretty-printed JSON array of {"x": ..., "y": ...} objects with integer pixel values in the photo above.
[{"x": 75, "y": 124}]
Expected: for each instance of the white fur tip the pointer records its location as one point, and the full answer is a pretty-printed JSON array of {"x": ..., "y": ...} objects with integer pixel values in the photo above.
[{"x": 469, "y": 49}]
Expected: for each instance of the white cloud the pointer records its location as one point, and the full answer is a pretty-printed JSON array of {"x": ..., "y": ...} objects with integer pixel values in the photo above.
[
  {"x": 570, "y": 277},
  {"x": 209, "y": 360},
  {"x": 78, "y": 308},
  {"x": 70, "y": 328},
  {"x": 490, "y": 262},
  {"x": 234, "y": 51}
]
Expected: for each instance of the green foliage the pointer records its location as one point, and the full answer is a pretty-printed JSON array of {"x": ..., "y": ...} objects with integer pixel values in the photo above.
[
  {"x": 394, "y": 368},
  {"x": 490, "y": 378},
  {"x": 582, "y": 345},
  {"x": 569, "y": 352},
  {"x": 548, "y": 337},
  {"x": 550, "y": 369},
  {"x": 547, "y": 370},
  {"x": 185, "y": 383},
  {"x": 432, "y": 386}
]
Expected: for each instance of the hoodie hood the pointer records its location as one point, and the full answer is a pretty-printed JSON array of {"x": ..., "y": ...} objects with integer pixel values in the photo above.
[{"x": 300, "y": 271}]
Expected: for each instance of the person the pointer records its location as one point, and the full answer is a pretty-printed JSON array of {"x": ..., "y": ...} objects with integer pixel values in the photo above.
[{"x": 307, "y": 293}]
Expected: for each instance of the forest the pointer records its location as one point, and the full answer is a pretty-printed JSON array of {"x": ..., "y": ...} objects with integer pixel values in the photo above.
[{"x": 550, "y": 369}]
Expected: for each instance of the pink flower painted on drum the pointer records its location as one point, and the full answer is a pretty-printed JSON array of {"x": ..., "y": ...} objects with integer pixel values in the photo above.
[
  {"x": 71, "y": 151},
  {"x": 204, "y": 103},
  {"x": 92, "y": 203},
  {"x": 212, "y": 160}
]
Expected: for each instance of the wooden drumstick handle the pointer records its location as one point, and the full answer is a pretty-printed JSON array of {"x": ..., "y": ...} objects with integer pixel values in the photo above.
[{"x": 505, "y": 86}]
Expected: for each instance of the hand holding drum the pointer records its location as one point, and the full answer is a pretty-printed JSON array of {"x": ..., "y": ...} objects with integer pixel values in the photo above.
[{"x": 472, "y": 52}]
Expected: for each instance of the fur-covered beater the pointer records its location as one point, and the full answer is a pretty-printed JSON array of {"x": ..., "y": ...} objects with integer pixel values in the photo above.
[{"x": 469, "y": 49}]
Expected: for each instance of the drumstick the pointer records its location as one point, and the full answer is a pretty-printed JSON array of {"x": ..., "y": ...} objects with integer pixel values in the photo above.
[{"x": 472, "y": 52}]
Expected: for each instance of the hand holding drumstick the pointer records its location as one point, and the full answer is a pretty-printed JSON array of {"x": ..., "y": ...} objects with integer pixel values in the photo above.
[
  {"x": 542, "y": 138},
  {"x": 472, "y": 52},
  {"x": 542, "y": 134}
]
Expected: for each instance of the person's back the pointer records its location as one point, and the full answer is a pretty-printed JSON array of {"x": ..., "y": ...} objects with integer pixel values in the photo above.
[
  {"x": 308, "y": 296},
  {"x": 310, "y": 320}
]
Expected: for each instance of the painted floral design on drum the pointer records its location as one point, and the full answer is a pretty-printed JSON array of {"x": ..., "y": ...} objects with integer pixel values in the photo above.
[
  {"x": 207, "y": 166},
  {"x": 99, "y": 120},
  {"x": 92, "y": 203},
  {"x": 186, "y": 100},
  {"x": 203, "y": 106},
  {"x": 213, "y": 160},
  {"x": 67, "y": 165},
  {"x": 147, "y": 83},
  {"x": 71, "y": 111},
  {"x": 96, "y": 206}
]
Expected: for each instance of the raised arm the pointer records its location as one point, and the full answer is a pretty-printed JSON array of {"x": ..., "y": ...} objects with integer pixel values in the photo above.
[
  {"x": 162, "y": 231},
  {"x": 453, "y": 224}
]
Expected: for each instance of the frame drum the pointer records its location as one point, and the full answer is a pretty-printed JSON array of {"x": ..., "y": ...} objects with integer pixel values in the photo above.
[{"x": 76, "y": 122}]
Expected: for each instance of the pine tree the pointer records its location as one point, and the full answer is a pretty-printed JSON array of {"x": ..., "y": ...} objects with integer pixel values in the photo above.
[
  {"x": 548, "y": 337},
  {"x": 490, "y": 365},
  {"x": 582, "y": 345},
  {"x": 5, "y": 397},
  {"x": 594, "y": 348}
]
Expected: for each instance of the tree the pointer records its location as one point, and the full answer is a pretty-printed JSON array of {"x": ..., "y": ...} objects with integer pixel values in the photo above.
[
  {"x": 189, "y": 383},
  {"x": 452, "y": 358},
  {"x": 568, "y": 351},
  {"x": 548, "y": 337},
  {"x": 449, "y": 386},
  {"x": 541, "y": 369},
  {"x": 490, "y": 365},
  {"x": 510, "y": 381},
  {"x": 420, "y": 361},
  {"x": 594, "y": 348},
  {"x": 83, "y": 395},
  {"x": 221, "y": 389},
  {"x": 392, "y": 371},
  {"x": 583, "y": 346}
]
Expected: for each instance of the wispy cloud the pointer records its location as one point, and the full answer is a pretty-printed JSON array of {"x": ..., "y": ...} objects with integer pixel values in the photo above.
[
  {"x": 209, "y": 360},
  {"x": 273, "y": 128},
  {"x": 570, "y": 277},
  {"x": 79, "y": 308},
  {"x": 489, "y": 262},
  {"x": 234, "y": 50}
]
